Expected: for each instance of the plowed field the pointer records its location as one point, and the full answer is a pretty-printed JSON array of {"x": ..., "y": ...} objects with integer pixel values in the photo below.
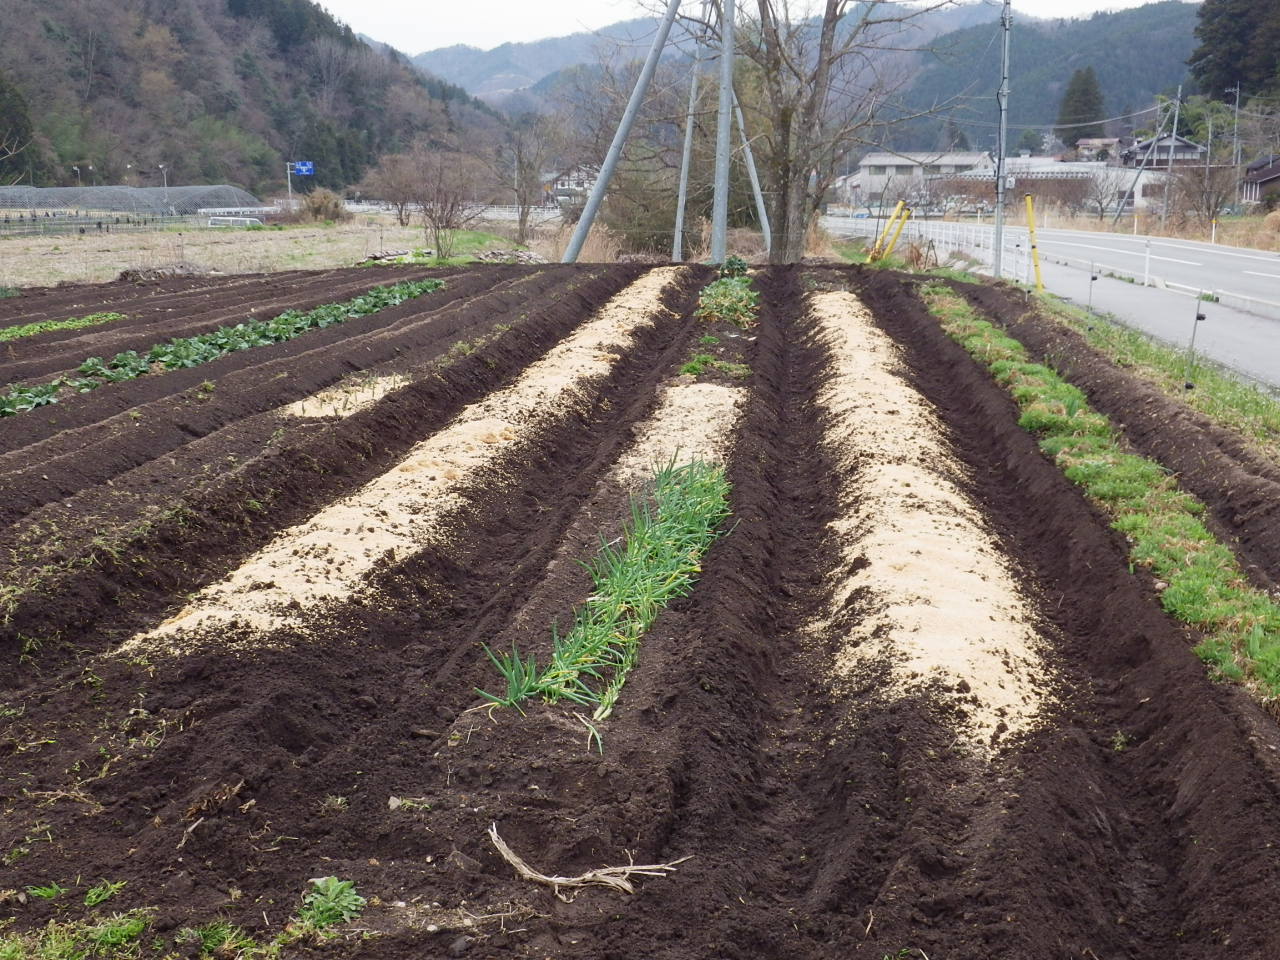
[{"x": 919, "y": 702}]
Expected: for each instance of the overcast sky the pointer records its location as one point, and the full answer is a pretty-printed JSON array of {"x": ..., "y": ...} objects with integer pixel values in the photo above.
[{"x": 414, "y": 26}]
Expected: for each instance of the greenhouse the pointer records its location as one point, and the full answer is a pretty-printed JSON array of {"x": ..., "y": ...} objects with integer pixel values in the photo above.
[{"x": 49, "y": 202}]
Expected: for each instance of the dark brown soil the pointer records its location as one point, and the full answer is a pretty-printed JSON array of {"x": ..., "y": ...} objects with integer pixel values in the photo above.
[
  {"x": 1240, "y": 487},
  {"x": 45, "y": 356},
  {"x": 821, "y": 825}
]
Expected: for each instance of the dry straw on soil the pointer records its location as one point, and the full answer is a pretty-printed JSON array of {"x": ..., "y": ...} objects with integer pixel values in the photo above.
[
  {"x": 326, "y": 559},
  {"x": 938, "y": 600}
]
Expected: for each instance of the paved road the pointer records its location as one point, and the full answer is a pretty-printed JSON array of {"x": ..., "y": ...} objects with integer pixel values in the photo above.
[
  {"x": 1237, "y": 274},
  {"x": 1241, "y": 334}
]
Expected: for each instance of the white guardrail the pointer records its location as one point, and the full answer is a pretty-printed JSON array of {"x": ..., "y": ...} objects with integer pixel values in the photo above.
[{"x": 977, "y": 241}]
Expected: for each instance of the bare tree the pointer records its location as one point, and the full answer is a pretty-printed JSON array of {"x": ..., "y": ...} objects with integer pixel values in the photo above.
[
  {"x": 451, "y": 190},
  {"x": 395, "y": 181},
  {"x": 11, "y": 146},
  {"x": 1104, "y": 188},
  {"x": 531, "y": 150},
  {"x": 332, "y": 61},
  {"x": 1202, "y": 192},
  {"x": 828, "y": 86}
]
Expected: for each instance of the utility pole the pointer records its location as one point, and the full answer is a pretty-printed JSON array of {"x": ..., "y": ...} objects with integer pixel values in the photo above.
[
  {"x": 720, "y": 196},
  {"x": 620, "y": 136},
  {"x": 1173, "y": 141},
  {"x": 1137, "y": 177},
  {"x": 1235, "y": 141},
  {"x": 1002, "y": 142},
  {"x": 682, "y": 195}
]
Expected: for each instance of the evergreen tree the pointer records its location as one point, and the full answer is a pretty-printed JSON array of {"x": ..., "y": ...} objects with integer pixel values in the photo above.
[
  {"x": 1081, "y": 104},
  {"x": 1031, "y": 140},
  {"x": 1239, "y": 43}
]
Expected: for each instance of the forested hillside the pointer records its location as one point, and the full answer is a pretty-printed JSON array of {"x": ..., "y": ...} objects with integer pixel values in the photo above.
[
  {"x": 1239, "y": 43},
  {"x": 1135, "y": 54},
  {"x": 216, "y": 90}
]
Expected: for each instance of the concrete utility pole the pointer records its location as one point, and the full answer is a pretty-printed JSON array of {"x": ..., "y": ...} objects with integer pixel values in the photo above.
[
  {"x": 720, "y": 196},
  {"x": 620, "y": 136},
  {"x": 1173, "y": 141},
  {"x": 1002, "y": 142},
  {"x": 682, "y": 195},
  {"x": 1235, "y": 140}
]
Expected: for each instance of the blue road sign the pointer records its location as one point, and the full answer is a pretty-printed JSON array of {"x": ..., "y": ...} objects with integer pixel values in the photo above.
[{"x": 304, "y": 168}]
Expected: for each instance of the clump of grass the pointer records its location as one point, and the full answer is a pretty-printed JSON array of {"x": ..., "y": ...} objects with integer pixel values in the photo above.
[
  {"x": 658, "y": 560},
  {"x": 1204, "y": 584},
  {"x": 50, "y": 891},
  {"x": 729, "y": 300},
  {"x": 103, "y": 891},
  {"x": 107, "y": 938},
  {"x": 700, "y": 363},
  {"x": 218, "y": 939},
  {"x": 47, "y": 326},
  {"x": 1223, "y": 398}
]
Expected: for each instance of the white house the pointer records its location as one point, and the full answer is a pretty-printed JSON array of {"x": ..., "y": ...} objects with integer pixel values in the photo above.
[
  {"x": 902, "y": 173},
  {"x": 576, "y": 182}
]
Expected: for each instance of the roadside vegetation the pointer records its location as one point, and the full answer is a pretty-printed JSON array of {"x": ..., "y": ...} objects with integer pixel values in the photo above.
[
  {"x": 658, "y": 560},
  {"x": 48, "y": 326},
  {"x": 1200, "y": 580},
  {"x": 186, "y": 352},
  {"x": 1229, "y": 402}
]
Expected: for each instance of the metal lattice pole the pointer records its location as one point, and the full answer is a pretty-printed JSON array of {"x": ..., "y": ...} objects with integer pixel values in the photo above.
[
  {"x": 620, "y": 136},
  {"x": 682, "y": 196},
  {"x": 761, "y": 212},
  {"x": 720, "y": 197}
]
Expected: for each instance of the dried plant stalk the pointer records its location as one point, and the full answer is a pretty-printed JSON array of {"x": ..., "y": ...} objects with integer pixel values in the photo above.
[{"x": 619, "y": 878}]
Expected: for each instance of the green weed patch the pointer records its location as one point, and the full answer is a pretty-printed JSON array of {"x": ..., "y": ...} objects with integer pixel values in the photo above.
[
  {"x": 658, "y": 559},
  {"x": 203, "y": 348},
  {"x": 48, "y": 326},
  {"x": 1204, "y": 585},
  {"x": 729, "y": 299}
]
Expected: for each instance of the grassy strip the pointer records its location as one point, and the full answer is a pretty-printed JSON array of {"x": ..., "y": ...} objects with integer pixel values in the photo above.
[
  {"x": 1229, "y": 402},
  {"x": 329, "y": 903},
  {"x": 658, "y": 561},
  {"x": 47, "y": 326},
  {"x": 205, "y": 347},
  {"x": 1205, "y": 585}
]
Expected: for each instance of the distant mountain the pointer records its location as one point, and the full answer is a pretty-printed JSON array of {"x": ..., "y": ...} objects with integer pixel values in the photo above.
[
  {"x": 491, "y": 74},
  {"x": 1136, "y": 54},
  {"x": 216, "y": 90},
  {"x": 516, "y": 66}
]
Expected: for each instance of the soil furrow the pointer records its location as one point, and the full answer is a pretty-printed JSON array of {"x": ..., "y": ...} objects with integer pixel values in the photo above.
[
  {"x": 1136, "y": 823},
  {"x": 260, "y": 704},
  {"x": 796, "y": 725},
  {"x": 42, "y": 358},
  {"x": 325, "y": 560},
  {"x": 127, "y": 425},
  {"x": 1240, "y": 486},
  {"x": 201, "y": 539}
]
